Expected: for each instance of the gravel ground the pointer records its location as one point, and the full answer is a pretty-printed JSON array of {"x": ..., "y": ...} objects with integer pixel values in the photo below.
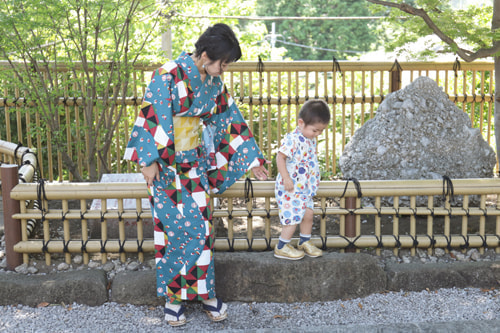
[
  {"x": 445, "y": 305},
  {"x": 465, "y": 309}
]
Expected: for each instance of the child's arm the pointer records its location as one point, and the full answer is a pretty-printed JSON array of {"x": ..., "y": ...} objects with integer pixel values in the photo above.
[{"x": 281, "y": 164}]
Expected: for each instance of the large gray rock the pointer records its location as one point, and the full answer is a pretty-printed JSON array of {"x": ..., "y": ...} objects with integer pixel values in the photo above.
[{"x": 417, "y": 133}]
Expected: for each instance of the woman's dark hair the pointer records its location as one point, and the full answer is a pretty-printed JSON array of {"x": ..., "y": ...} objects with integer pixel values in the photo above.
[
  {"x": 220, "y": 43},
  {"x": 315, "y": 111}
]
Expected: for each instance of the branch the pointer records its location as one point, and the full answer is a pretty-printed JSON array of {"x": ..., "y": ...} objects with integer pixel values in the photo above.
[{"x": 465, "y": 54}]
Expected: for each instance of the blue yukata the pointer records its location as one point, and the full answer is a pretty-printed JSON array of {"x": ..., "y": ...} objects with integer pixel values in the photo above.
[
  {"x": 202, "y": 144},
  {"x": 303, "y": 168}
]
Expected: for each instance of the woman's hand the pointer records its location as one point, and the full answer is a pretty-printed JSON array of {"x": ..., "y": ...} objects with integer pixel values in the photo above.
[
  {"x": 261, "y": 172},
  {"x": 151, "y": 173}
]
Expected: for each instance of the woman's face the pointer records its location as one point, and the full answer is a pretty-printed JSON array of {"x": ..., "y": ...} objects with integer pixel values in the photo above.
[{"x": 215, "y": 68}]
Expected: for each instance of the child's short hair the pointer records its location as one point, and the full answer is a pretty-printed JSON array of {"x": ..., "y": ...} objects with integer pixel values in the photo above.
[{"x": 315, "y": 111}]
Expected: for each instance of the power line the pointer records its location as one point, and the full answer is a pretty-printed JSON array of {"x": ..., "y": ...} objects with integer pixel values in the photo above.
[
  {"x": 316, "y": 48},
  {"x": 281, "y": 18}
]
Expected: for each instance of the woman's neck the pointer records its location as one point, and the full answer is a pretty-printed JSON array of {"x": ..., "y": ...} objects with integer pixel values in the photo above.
[{"x": 199, "y": 64}]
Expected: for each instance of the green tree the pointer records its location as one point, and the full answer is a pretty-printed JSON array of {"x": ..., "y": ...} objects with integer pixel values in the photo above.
[
  {"x": 471, "y": 33},
  {"x": 315, "y": 39},
  {"x": 98, "y": 42},
  {"x": 188, "y": 19}
]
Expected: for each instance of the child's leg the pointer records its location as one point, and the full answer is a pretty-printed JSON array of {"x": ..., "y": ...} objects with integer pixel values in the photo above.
[
  {"x": 306, "y": 226},
  {"x": 287, "y": 232},
  {"x": 305, "y": 235}
]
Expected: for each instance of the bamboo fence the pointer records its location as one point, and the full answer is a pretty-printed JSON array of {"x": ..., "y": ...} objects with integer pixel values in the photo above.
[
  {"x": 341, "y": 210},
  {"x": 269, "y": 94}
]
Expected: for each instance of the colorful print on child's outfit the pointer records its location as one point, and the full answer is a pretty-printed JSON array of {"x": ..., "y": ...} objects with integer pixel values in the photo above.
[{"x": 303, "y": 168}]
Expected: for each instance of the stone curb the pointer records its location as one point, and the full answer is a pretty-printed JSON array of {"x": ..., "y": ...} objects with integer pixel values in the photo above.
[
  {"x": 84, "y": 287},
  {"x": 255, "y": 277}
]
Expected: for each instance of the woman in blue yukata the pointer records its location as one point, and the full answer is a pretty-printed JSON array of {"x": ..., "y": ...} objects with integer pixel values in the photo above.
[{"x": 191, "y": 140}]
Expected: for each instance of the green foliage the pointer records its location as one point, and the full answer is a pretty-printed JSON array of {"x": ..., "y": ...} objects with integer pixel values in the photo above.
[
  {"x": 95, "y": 42},
  {"x": 470, "y": 27},
  {"x": 347, "y": 37}
]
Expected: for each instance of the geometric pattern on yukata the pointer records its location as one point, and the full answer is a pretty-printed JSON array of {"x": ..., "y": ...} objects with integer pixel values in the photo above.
[
  {"x": 193, "y": 285},
  {"x": 237, "y": 133},
  {"x": 302, "y": 166},
  {"x": 184, "y": 260}
]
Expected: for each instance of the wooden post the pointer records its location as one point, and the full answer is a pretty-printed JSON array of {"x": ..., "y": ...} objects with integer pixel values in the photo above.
[
  {"x": 395, "y": 80},
  {"x": 12, "y": 227},
  {"x": 350, "y": 221}
]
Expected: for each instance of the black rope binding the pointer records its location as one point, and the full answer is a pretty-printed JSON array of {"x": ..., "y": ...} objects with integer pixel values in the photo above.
[
  {"x": 447, "y": 188},
  {"x": 40, "y": 194},
  {"x": 248, "y": 189},
  {"x": 336, "y": 67},
  {"x": 139, "y": 246},
  {"x": 396, "y": 65},
  {"x": 19, "y": 145},
  {"x": 260, "y": 65},
  {"x": 356, "y": 184},
  {"x": 456, "y": 66}
]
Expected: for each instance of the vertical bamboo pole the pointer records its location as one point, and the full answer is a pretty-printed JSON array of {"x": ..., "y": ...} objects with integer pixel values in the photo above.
[
  {"x": 395, "y": 222},
  {"x": 230, "y": 221},
  {"x": 327, "y": 131},
  {"x": 250, "y": 102},
  {"x": 269, "y": 135},
  {"x": 377, "y": 230},
  {"x": 342, "y": 221},
  {"x": 363, "y": 85},
  {"x": 140, "y": 225},
  {"x": 267, "y": 220},
  {"x": 482, "y": 221},
  {"x": 66, "y": 230},
  {"x": 413, "y": 221},
  {"x": 465, "y": 218},
  {"x": 289, "y": 101},
  {"x": 78, "y": 130},
  {"x": 20, "y": 136},
  {"x": 334, "y": 121},
  {"x": 430, "y": 221},
  {"x": 69, "y": 142},
  {"x": 353, "y": 116},
  {"x": 343, "y": 114},
  {"x": 121, "y": 229},
  {"x": 322, "y": 223},
  {"x": 104, "y": 230},
  {"x": 41, "y": 160},
  {"x": 447, "y": 206},
  {"x": 85, "y": 234}
]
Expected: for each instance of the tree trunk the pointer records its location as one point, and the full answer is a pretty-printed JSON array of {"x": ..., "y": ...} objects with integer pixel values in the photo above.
[{"x": 495, "y": 24}]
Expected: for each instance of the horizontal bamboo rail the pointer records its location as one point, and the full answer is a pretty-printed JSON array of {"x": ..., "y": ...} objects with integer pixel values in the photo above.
[{"x": 339, "y": 190}]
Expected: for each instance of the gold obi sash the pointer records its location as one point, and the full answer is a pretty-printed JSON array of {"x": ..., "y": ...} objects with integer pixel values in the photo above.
[{"x": 186, "y": 132}]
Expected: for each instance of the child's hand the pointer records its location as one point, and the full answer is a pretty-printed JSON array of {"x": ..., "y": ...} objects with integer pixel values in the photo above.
[{"x": 288, "y": 183}]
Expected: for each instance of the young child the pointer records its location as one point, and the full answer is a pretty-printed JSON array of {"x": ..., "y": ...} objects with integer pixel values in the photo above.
[{"x": 298, "y": 180}]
